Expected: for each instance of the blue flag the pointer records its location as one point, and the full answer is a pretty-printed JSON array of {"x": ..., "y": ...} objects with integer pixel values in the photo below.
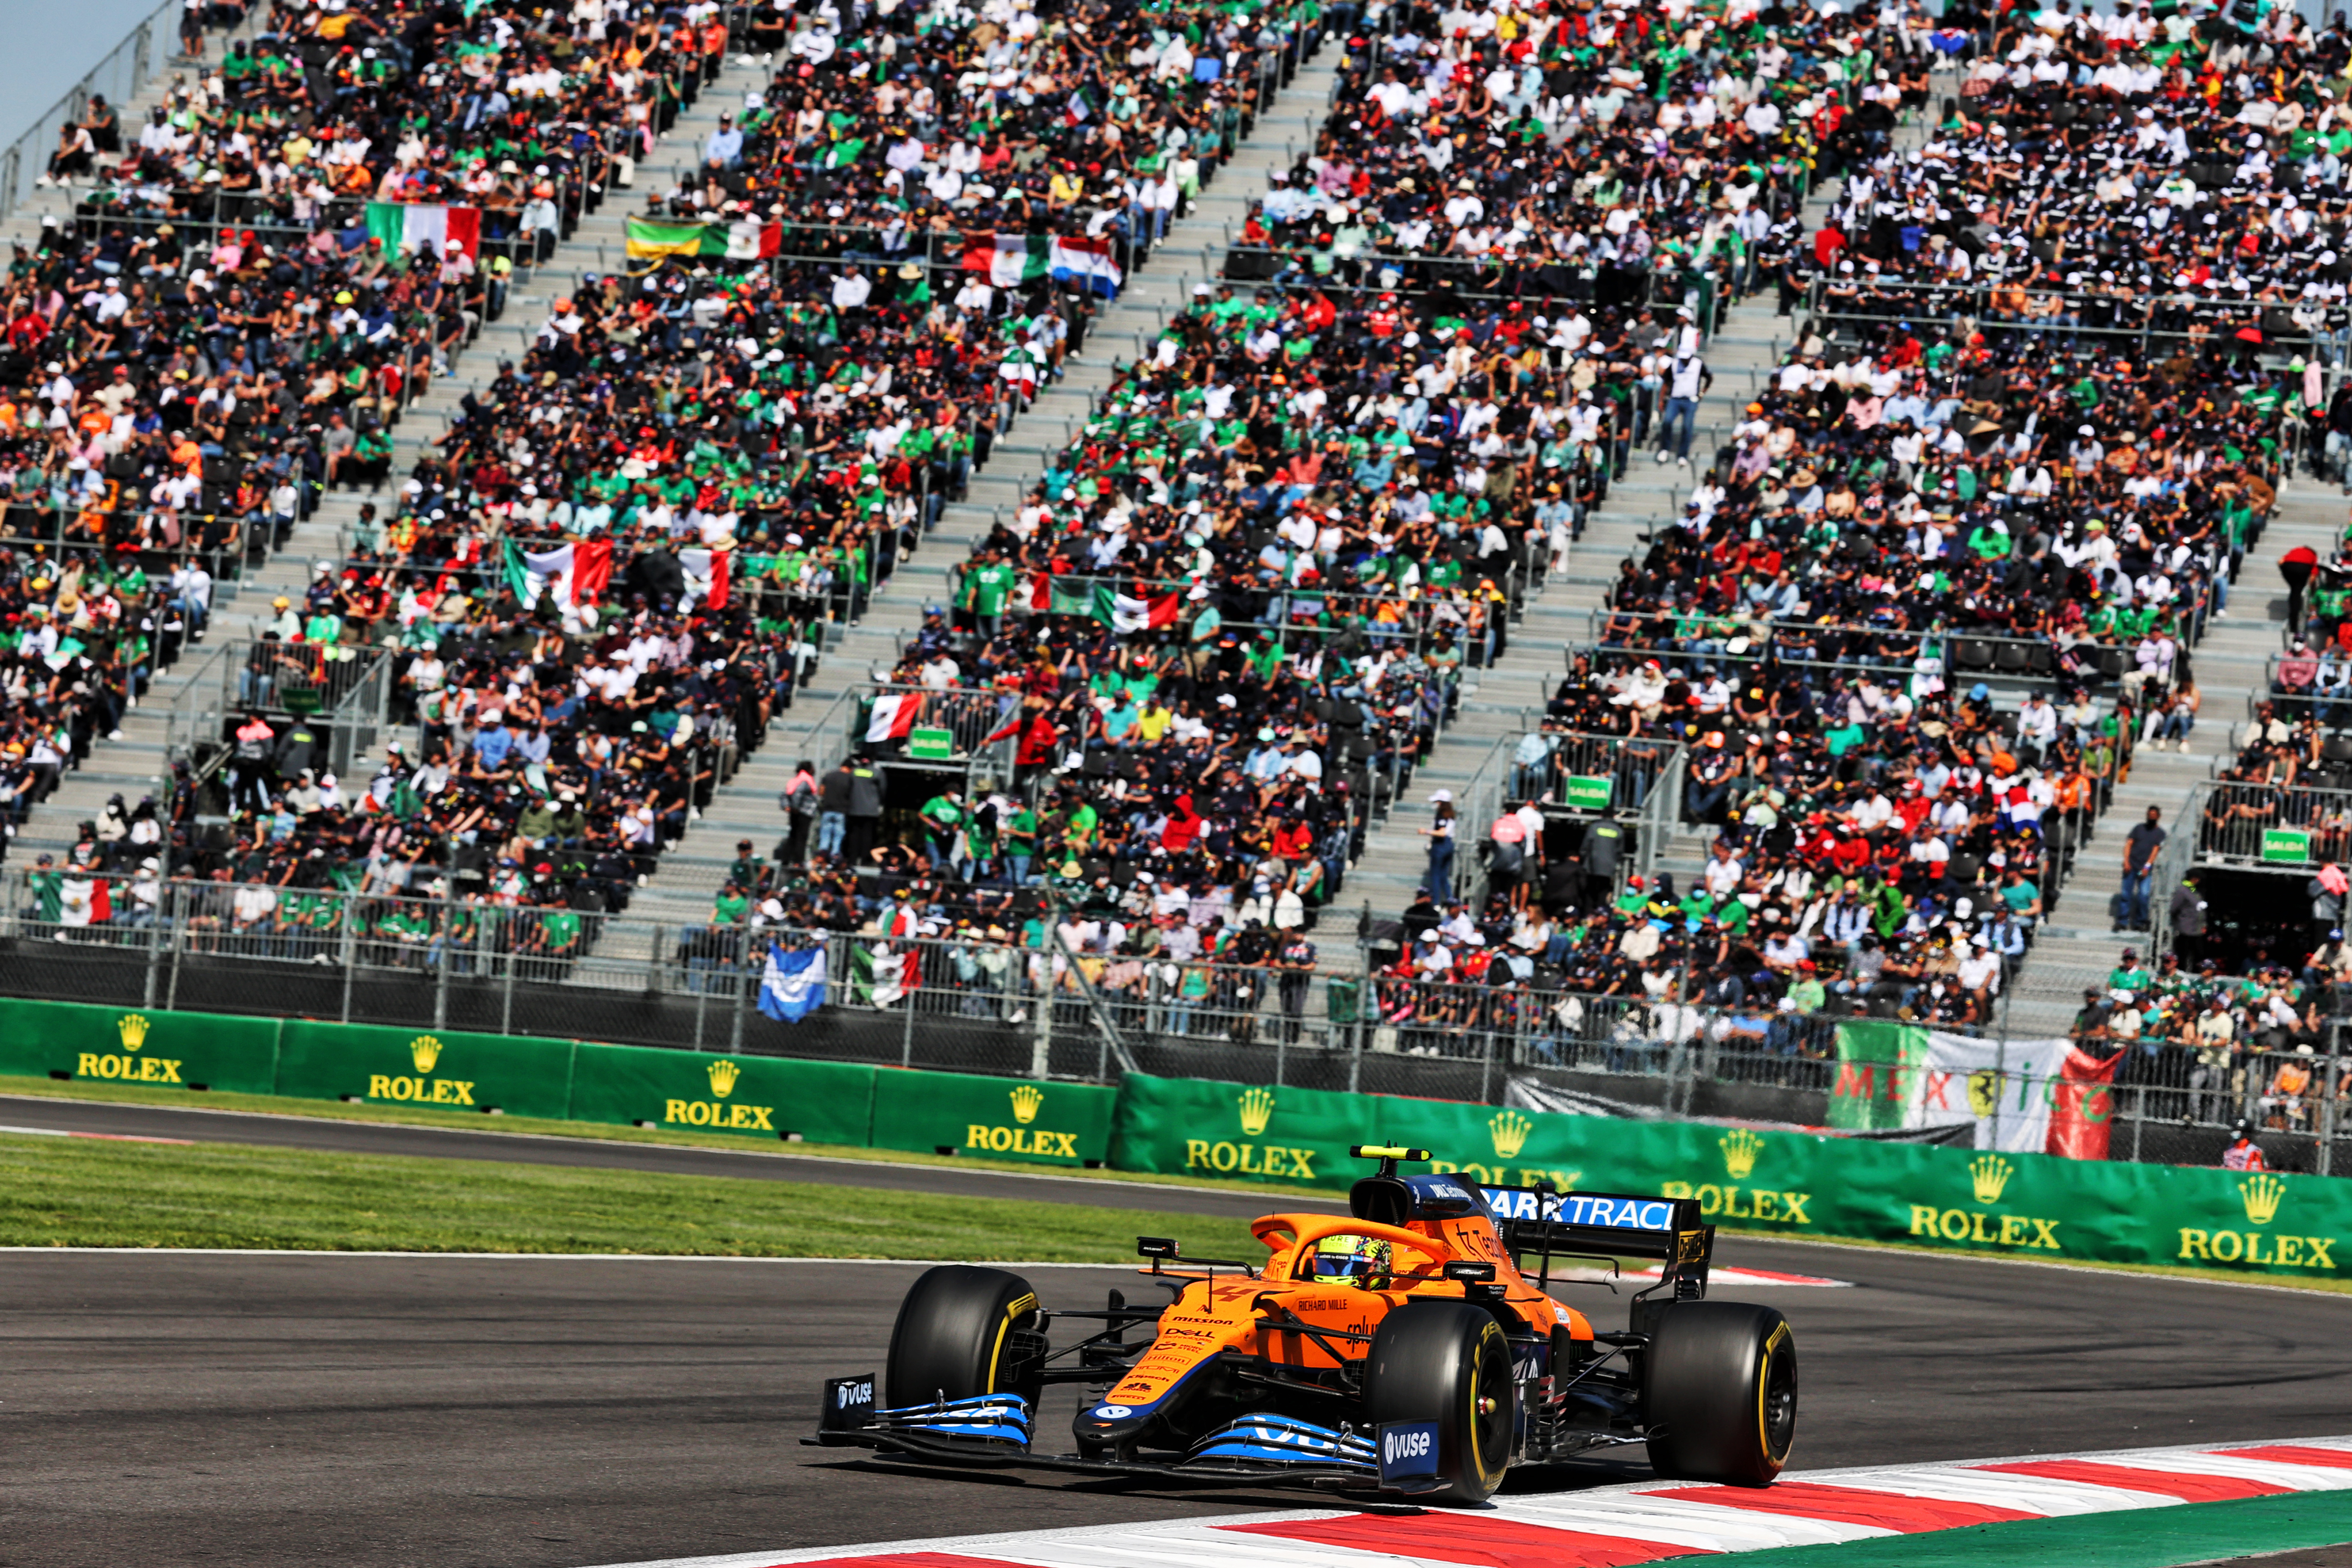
[{"x": 794, "y": 985}]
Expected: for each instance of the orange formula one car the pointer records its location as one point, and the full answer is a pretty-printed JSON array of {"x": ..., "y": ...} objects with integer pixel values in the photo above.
[{"x": 1411, "y": 1346}]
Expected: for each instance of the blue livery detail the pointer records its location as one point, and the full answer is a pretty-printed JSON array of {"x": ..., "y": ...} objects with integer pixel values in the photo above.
[
  {"x": 1584, "y": 1208},
  {"x": 1408, "y": 1451}
]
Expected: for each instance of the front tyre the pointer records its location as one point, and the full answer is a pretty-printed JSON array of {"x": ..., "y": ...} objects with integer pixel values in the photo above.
[
  {"x": 955, "y": 1337},
  {"x": 1722, "y": 1393},
  {"x": 1449, "y": 1363}
]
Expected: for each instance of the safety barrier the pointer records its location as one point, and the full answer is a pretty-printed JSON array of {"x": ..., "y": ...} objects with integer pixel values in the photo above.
[
  {"x": 1802, "y": 1185},
  {"x": 1806, "y": 1185},
  {"x": 464, "y": 1073}
]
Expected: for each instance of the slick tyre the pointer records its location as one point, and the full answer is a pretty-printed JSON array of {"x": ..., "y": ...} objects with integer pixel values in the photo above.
[
  {"x": 1447, "y": 1362},
  {"x": 1721, "y": 1402},
  {"x": 956, "y": 1334}
]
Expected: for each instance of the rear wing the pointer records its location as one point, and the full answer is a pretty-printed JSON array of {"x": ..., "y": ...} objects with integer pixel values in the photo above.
[{"x": 1607, "y": 1224}]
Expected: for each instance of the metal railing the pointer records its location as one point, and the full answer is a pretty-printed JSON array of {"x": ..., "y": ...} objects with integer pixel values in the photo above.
[
  {"x": 119, "y": 77},
  {"x": 344, "y": 690},
  {"x": 977, "y": 1001}
]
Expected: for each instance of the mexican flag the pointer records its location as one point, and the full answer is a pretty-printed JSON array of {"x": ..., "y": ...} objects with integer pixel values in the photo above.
[
  {"x": 893, "y": 716},
  {"x": 576, "y": 573},
  {"x": 707, "y": 576},
  {"x": 1120, "y": 612},
  {"x": 1877, "y": 1067},
  {"x": 880, "y": 976},
  {"x": 2010, "y": 1095},
  {"x": 1007, "y": 260},
  {"x": 2083, "y": 1107},
  {"x": 85, "y": 902},
  {"x": 400, "y": 223},
  {"x": 1021, "y": 367},
  {"x": 1094, "y": 262},
  {"x": 1130, "y": 614},
  {"x": 748, "y": 239}
]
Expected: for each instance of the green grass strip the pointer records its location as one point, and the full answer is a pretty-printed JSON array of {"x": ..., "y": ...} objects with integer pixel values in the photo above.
[
  {"x": 92, "y": 1091},
  {"x": 58, "y": 1191},
  {"x": 2128, "y": 1537}
]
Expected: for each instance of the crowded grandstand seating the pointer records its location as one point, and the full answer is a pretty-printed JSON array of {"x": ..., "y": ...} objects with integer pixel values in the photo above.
[
  {"x": 245, "y": 297},
  {"x": 1233, "y": 612},
  {"x": 600, "y": 582}
]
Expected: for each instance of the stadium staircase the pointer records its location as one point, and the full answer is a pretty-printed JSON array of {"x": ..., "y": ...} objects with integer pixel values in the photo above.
[
  {"x": 2077, "y": 946},
  {"x": 681, "y": 892}
]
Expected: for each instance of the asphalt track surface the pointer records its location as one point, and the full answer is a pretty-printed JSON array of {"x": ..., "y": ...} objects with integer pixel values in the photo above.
[{"x": 365, "y": 1410}]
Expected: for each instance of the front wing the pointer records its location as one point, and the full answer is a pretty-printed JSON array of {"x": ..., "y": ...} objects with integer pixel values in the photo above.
[{"x": 995, "y": 1430}]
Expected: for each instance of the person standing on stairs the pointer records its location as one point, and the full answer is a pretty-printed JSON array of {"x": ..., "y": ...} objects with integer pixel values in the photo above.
[
  {"x": 2296, "y": 567},
  {"x": 2140, "y": 847},
  {"x": 798, "y": 803},
  {"x": 2188, "y": 921},
  {"x": 865, "y": 809},
  {"x": 1687, "y": 379},
  {"x": 1440, "y": 834}
]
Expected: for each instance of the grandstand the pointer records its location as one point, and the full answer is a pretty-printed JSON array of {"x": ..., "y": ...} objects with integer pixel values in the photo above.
[{"x": 1771, "y": 494}]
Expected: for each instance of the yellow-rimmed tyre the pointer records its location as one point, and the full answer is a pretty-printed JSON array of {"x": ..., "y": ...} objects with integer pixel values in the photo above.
[
  {"x": 1448, "y": 1363},
  {"x": 955, "y": 1337},
  {"x": 1721, "y": 1400}
]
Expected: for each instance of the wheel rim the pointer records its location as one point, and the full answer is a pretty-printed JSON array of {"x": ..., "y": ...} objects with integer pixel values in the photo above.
[
  {"x": 1490, "y": 1407},
  {"x": 1777, "y": 1404}
]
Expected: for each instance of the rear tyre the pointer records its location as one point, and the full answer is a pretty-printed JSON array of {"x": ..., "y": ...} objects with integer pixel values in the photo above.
[
  {"x": 1449, "y": 1363},
  {"x": 955, "y": 1337},
  {"x": 1722, "y": 1393}
]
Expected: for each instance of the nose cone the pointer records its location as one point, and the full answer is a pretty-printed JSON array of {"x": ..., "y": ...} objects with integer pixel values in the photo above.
[{"x": 1110, "y": 1426}]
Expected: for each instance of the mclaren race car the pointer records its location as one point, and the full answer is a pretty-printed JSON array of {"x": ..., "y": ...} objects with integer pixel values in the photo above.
[{"x": 1411, "y": 1346}]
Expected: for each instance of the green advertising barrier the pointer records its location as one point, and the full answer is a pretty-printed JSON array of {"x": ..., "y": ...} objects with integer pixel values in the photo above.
[
  {"x": 133, "y": 1045},
  {"x": 1002, "y": 1118},
  {"x": 433, "y": 1069},
  {"x": 760, "y": 1097},
  {"x": 1798, "y": 1184}
]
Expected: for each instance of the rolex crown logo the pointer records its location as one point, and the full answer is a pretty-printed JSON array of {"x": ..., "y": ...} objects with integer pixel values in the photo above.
[
  {"x": 1740, "y": 1148},
  {"x": 1027, "y": 1100},
  {"x": 424, "y": 1050},
  {"x": 1990, "y": 1174},
  {"x": 132, "y": 1026},
  {"x": 2262, "y": 1194},
  {"x": 723, "y": 1074},
  {"x": 1257, "y": 1110},
  {"x": 1510, "y": 1130}
]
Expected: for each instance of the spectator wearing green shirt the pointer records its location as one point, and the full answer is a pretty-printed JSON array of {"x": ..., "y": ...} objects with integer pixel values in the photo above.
[{"x": 943, "y": 816}]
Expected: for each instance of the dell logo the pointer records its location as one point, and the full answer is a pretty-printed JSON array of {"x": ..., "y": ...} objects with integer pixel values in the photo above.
[{"x": 1112, "y": 1411}]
